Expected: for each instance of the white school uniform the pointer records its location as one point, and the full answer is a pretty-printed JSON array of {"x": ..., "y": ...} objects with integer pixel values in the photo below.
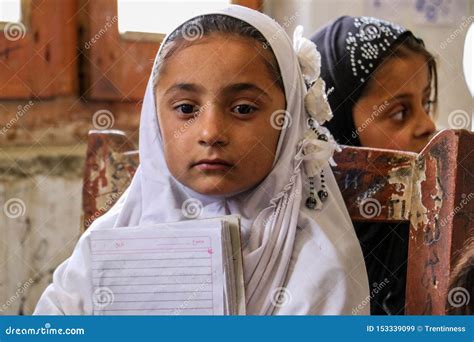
[{"x": 311, "y": 256}]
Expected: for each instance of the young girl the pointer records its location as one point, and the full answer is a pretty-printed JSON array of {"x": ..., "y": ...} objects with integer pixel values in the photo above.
[
  {"x": 225, "y": 124},
  {"x": 384, "y": 82}
]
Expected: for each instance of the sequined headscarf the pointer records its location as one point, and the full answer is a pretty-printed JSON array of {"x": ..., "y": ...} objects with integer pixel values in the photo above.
[{"x": 351, "y": 50}]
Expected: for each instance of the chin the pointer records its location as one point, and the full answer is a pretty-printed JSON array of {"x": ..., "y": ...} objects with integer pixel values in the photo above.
[
  {"x": 216, "y": 190},
  {"x": 211, "y": 189}
]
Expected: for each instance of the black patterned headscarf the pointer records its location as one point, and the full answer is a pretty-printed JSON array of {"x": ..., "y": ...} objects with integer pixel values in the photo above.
[{"x": 351, "y": 50}]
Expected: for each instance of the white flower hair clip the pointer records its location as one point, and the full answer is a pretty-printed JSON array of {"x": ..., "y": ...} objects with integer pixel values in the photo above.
[
  {"x": 309, "y": 58},
  {"x": 316, "y": 102},
  {"x": 317, "y": 146}
]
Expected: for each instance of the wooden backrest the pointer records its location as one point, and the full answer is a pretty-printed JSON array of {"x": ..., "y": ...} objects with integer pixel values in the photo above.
[
  {"x": 432, "y": 190},
  {"x": 111, "y": 162}
]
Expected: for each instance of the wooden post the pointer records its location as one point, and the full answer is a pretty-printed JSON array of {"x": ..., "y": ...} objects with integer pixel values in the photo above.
[{"x": 442, "y": 221}]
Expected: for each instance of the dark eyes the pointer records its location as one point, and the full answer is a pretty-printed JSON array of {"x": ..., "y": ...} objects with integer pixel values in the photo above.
[
  {"x": 242, "y": 109},
  {"x": 428, "y": 105},
  {"x": 186, "y": 108},
  {"x": 401, "y": 115}
]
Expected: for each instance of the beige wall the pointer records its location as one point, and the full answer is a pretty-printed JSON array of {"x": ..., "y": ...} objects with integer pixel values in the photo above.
[{"x": 40, "y": 195}]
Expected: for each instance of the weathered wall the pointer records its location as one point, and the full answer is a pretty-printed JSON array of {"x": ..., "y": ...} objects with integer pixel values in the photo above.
[
  {"x": 42, "y": 153},
  {"x": 40, "y": 197}
]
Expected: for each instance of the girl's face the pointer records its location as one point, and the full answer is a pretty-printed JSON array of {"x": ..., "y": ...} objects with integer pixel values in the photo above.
[
  {"x": 395, "y": 112},
  {"x": 214, "y": 101}
]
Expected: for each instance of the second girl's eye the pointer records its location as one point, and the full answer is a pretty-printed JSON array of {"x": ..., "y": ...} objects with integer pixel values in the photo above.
[
  {"x": 428, "y": 106},
  {"x": 244, "y": 109},
  {"x": 186, "y": 108},
  {"x": 399, "y": 116}
]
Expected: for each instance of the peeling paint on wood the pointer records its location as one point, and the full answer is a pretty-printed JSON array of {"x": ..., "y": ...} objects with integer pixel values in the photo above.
[
  {"x": 400, "y": 200},
  {"x": 111, "y": 162},
  {"x": 421, "y": 189},
  {"x": 418, "y": 212}
]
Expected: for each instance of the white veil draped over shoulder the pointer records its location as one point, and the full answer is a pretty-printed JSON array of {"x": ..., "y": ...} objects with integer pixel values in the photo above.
[{"x": 312, "y": 257}]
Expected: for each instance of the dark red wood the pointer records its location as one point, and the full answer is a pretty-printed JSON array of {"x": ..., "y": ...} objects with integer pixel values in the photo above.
[
  {"x": 375, "y": 183},
  {"x": 442, "y": 222},
  {"x": 433, "y": 190},
  {"x": 111, "y": 162},
  {"x": 38, "y": 57}
]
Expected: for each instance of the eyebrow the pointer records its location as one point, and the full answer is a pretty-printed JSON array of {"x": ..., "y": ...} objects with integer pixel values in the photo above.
[
  {"x": 233, "y": 88},
  {"x": 240, "y": 87},
  {"x": 190, "y": 87},
  {"x": 407, "y": 95}
]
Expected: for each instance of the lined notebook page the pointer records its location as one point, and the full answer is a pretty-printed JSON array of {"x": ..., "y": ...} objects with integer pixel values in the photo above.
[{"x": 158, "y": 270}]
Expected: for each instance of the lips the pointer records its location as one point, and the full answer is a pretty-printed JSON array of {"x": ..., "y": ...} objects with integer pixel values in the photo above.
[{"x": 212, "y": 164}]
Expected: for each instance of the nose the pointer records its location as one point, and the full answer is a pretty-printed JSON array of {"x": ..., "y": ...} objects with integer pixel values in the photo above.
[
  {"x": 424, "y": 128},
  {"x": 213, "y": 127},
  {"x": 425, "y": 125}
]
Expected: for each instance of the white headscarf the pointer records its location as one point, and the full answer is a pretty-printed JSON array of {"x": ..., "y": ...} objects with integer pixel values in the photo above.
[{"x": 326, "y": 276}]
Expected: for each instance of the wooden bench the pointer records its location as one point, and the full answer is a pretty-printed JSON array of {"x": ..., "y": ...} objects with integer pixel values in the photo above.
[{"x": 432, "y": 190}]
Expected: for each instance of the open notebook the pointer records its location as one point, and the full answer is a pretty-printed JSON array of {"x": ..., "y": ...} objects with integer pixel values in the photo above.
[{"x": 184, "y": 268}]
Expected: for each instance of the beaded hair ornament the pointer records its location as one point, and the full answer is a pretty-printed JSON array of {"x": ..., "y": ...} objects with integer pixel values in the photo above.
[
  {"x": 371, "y": 39},
  {"x": 317, "y": 146}
]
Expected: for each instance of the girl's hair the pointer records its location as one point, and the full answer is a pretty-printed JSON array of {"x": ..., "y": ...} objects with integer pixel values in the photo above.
[
  {"x": 462, "y": 281},
  {"x": 405, "y": 44},
  {"x": 205, "y": 25}
]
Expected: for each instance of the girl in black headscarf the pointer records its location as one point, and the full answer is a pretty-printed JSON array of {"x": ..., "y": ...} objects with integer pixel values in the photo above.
[{"x": 382, "y": 83}]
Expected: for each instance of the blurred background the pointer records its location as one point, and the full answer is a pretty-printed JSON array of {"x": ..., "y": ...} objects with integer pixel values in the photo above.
[{"x": 70, "y": 66}]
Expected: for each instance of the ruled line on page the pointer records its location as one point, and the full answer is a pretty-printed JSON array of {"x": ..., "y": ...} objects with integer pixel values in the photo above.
[{"x": 153, "y": 259}]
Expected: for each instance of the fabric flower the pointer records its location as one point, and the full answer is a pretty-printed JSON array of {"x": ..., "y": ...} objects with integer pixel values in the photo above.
[
  {"x": 309, "y": 57},
  {"x": 316, "y": 102},
  {"x": 315, "y": 153}
]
